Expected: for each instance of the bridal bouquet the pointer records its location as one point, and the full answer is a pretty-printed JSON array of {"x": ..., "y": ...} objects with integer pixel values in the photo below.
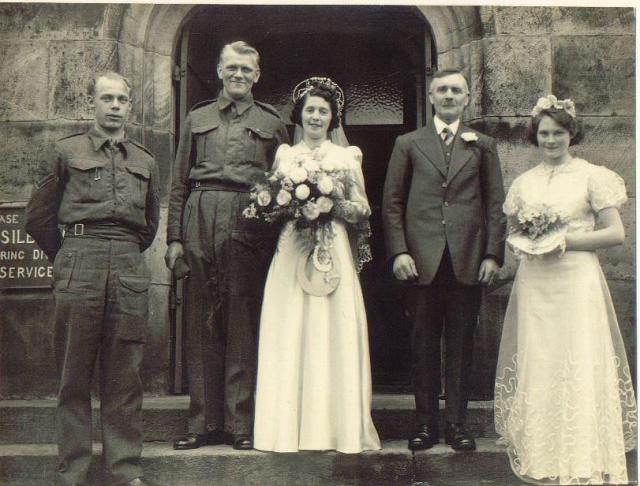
[
  {"x": 310, "y": 192},
  {"x": 536, "y": 230}
]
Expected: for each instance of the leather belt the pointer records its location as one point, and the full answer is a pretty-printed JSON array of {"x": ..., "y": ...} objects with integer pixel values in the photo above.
[
  {"x": 212, "y": 185},
  {"x": 105, "y": 231}
]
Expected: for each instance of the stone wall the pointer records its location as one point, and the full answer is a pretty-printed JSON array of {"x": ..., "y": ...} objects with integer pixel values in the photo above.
[
  {"x": 588, "y": 55},
  {"x": 512, "y": 55}
]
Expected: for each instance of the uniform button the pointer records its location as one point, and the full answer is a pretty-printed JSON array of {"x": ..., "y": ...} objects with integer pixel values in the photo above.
[
  {"x": 444, "y": 184},
  {"x": 444, "y": 222}
]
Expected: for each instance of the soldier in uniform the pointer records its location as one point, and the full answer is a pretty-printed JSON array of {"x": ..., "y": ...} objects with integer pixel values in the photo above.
[
  {"x": 225, "y": 146},
  {"x": 102, "y": 188}
]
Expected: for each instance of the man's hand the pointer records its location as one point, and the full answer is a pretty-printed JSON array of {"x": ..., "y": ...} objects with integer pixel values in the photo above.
[
  {"x": 488, "y": 271},
  {"x": 404, "y": 268},
  {"x": 174, "y": 251}
]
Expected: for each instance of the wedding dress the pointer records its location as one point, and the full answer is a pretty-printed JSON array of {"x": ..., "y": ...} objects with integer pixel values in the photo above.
[
  {"x": 564, "y": 401},
  {"x": 314, "y": 376}
]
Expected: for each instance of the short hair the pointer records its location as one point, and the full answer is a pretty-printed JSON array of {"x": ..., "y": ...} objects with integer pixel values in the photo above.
[
  {"x": 327, "y": 94},
  {"x": 240, "y": 47},
  {"x": 562, "y": 118},
  {"x": 91, "y": 87},
  {"x": 441, "y": 73}
]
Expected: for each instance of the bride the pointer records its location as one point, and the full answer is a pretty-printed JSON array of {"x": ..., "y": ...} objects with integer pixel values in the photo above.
[{"x": 314, "y": 377}]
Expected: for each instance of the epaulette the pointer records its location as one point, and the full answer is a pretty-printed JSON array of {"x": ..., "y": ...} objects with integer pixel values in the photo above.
[
  {"x": 202, "y": 103},
  {"x": 269, "y": 108},
  {"x": 71, "y": 136},
  {"x": 142, "y": 147}
]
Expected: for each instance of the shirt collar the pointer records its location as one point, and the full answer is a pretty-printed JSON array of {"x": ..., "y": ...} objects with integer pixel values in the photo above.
[
  {"x": 440, "y": 124},
  {"x": 98, "y": 139},
  {"x": 241, "y": 105}
]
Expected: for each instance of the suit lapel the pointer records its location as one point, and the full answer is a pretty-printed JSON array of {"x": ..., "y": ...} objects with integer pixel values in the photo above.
[
  {"x": 461, "y": 153},
  {"x": 429, "y": 145}
]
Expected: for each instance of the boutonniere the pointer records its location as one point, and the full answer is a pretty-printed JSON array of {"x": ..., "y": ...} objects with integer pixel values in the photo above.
[{"x": 469, "y": 137}]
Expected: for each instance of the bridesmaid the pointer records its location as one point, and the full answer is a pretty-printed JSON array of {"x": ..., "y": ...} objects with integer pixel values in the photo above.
[{"x": 564, "y": 400}]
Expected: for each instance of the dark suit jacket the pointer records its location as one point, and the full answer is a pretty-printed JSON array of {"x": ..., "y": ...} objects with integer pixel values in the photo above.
[{"x": 426, "y": 207}]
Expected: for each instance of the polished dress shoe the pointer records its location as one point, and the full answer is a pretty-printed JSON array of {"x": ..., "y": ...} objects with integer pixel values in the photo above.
[
  {"x": 193, "y": 441},
  {"x": 458, "y": 438},
  {"x": 425, "y": 438},
  {"x": 242, "y": 442}
]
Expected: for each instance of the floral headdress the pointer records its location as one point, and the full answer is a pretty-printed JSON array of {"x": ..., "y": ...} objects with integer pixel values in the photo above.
[
  {"x": 308, "y": 84},
  {"x": 548, "y": 102}
]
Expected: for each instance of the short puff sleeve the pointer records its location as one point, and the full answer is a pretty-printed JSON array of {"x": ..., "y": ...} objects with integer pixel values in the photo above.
[
  {"x": 606, "y": 189},
  {"x": 281, "y": 156}
]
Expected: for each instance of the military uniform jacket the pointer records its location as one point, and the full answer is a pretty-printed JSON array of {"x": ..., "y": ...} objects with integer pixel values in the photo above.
[
  {"x": 85, "y": 180},
  {"x": 426, "y": 206},
  {"x": 224, "y": 142}
]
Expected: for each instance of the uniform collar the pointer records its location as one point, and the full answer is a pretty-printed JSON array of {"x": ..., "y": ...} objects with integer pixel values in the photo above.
[
  {"x": 440, "y": 124},
  {"x": 98, "y": 139},
  {"x": 241, "y": 105}
]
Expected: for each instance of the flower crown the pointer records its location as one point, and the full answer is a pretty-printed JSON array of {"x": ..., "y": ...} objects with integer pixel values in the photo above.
[
  {"x": 308, "y": 84},
  {"x": 550, "y": 101}
]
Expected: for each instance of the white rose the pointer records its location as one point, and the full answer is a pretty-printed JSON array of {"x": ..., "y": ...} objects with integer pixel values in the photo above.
[
  {"x": 311, "y": 165},
  {"x": 469, "y": 137},
  {"x": 324, "y": 204},
  {"x": 328, "y": 165},
  {"x": 310, "y": 211},
  {"x": 325, "y": 185},
  {"x": 264, "y": 198},
  {"x": 303, "y": 192},
  {"x": 283, "y": 198},
  {"x": 298, "y": 175}
]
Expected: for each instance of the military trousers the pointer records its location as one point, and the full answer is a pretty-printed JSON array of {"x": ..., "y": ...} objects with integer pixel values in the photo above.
[
  {"x": 101, "y": 293},
  {"x": 228, "y": 256},
  {"x": 444, "y": 304}
]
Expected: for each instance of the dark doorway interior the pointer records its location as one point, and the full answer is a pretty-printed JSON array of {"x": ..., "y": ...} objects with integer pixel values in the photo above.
[{"x": 378, "y": 56}]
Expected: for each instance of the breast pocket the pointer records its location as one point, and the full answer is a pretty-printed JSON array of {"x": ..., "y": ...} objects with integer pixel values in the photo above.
[
  {"x": 205, "y": 138},
  {"x": 87, "y": 179},
  {"x": 137, "y": 178},
  {"x": 260, "y": 145}
]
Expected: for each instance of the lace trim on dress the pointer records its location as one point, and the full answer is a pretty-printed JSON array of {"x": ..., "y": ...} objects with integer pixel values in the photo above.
[{"x": 552, "y": 438}]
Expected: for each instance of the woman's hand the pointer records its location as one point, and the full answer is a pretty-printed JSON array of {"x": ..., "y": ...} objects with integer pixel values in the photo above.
[{"x": 351, "y": 212}]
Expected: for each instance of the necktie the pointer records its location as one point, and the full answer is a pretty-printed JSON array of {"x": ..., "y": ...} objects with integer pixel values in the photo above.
[{"x": 447, "y": 135}]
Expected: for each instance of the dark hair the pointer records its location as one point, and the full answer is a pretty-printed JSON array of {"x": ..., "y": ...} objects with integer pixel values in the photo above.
[
  {"x": 562, "y": 118},
  {"x": 441, "y": 73},
  {"x": 91, "y": 87},
  {"x": 327, "y": 94}
]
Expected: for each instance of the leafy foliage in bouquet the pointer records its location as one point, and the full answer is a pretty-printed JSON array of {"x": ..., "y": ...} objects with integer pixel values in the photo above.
[
  {"x": 535, "y": 221},
  {"x": 310, "y": 192}
]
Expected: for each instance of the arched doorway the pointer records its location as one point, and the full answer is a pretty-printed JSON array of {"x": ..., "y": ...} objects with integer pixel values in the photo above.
[{"x": 381, "y": 57}]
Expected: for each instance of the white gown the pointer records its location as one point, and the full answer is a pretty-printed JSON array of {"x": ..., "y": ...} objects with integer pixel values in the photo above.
[
  {"x": 314, "y": 375},
  {"x": 564, "y": 401}
]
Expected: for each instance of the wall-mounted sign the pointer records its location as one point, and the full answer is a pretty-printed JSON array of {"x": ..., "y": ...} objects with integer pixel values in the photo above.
[{"x": 22, "y": 263}]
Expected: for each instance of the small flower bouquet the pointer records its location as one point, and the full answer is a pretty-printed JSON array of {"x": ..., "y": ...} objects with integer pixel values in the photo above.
[{"x": 536, "y": 230}]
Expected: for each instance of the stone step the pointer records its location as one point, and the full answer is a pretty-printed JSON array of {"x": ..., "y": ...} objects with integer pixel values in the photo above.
[
  {"x": 34, "y": 465},
  {"x": 165, "y": 418}
]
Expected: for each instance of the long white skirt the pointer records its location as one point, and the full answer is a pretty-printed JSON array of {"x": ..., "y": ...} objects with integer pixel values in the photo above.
[
  {"x": 314, "y": 374},
  {"x": 564, "y": 401}
]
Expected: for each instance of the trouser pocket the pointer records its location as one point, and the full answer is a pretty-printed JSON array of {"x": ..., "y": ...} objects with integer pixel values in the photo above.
[
  {"x": 249, "y": 258},
  {"x": 131, "y": 301}
]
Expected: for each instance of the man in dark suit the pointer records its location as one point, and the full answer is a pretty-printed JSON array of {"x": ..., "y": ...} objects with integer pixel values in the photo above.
[{"x": 444, "y": 230}]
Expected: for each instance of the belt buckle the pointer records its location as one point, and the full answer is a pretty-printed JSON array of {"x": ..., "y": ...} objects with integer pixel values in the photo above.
[
  {"x": 78, "y": 229},
  {"x": 196, "y": 184}
]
